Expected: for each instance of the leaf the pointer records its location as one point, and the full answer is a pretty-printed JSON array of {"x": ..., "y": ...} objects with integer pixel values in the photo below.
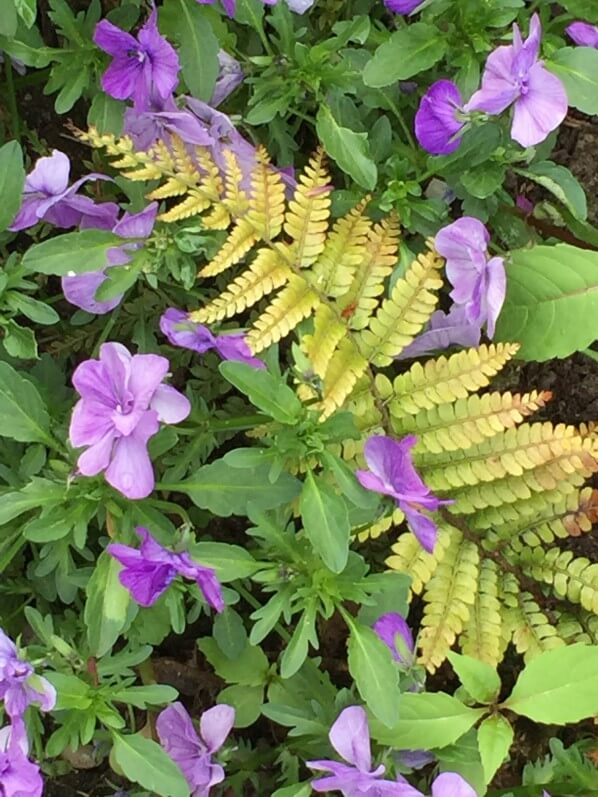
[
  {"x": 19, "y": 341},
  {"x": 582, "y": 9},
  {"x": 198, "y": 49},
  {"x": 23, "y": 415},
  {"x": 106, "y": 606},
  {"x": 247, "y": 702},
  {"x": 551, "y": 306},
  {"x": 558, "y": 686},
  {"x": 229, "y": 632},
  {"x": 560, "y": 182},
  {"x": 145, "y": 762},
  {"x": 479, "y": 678},
  {"x": 485, "y": 180},
  {"x": 36, "y": 495},
  {"x": 349, "y": 149},
  {"x": 326, "y": 522},
  {"x": 264, "y": 390},
  {"x": 296, "y": 790},
  {"x": 27, "y": 10},
  {"x": 250, "y": 668},
  {"x": 144, "y": 696},
  {"x": 577, "y": 67},
  {"x": 76, "y": 252},
  {"x": 34, "y": 310},
  {"x": 229, "y": 561},
  {"x": 374, "y": 673},
  {"x": 71, "y": 692},
  {"x": 8, "y": 18},
  {"x": 38, "y": 57},
  {"x": 495, "y": 737},
  {"x": 106, "y": 114},
  {"x": 12, "y": 180},
  {"x": 297, "y": 648},
  {"x": 406, "y": 53}
]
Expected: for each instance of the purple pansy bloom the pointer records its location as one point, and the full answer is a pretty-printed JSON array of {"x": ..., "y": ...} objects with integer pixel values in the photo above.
[
  {"x": 19, "y": 777},
  {"x": 394, "y": 631},
  {"x": 513, "y": 75},
  {"x": 437, "y": 123},
  {"x": 229, "y": 6},
  {"x": 391, "y": 472},
  {"x": 443, "y": 330},
  {"x": 192, "y": 752},
  {"x": 583, "y": 34},
  {"x": 230, "y": 76},
  {"x": 143, "y": 68},
  {"x": 81, "y": 289},
  {"x": 149, "y": 571},
  {"x": 48, "y": 197},
  {"x": 19, "y": 685},
  {"x": 122, "y": 403},
  {"x": 161, "y": 120},
  {"x": 403, "y": 6},
  {"x": 479, "y": 282},
  {"x": 181, "y": 331},
  {"x": 449, "y": 784}
]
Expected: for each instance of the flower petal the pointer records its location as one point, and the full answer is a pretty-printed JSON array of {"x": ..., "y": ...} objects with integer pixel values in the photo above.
[
  {"x": 121, "y": 78},
  {"x": 450, "y": 784},
  {"x": 81, "y": 291},
  {"x": 130, "y": 471},
  {"x": 171, "y": 405},
  {"x": 436, "y": 123},
  {"x": 541, "y": 110},
  {"x": 113, "y": 40},
  {"x": 421, "y": 525},
  {"x": 350, "y": 737},
  {"x": 215, "y": 725}
]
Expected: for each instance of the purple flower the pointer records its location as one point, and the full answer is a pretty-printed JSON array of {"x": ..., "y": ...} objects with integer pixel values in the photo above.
[
  {"x": 48, "y": 197},
  {"x": 181, "y": 331},
  {"x": 19, "y": 685},
  {"x": 449, "y": 784},
  {"x": 161, "y": 120},
  {"x": 513, "y": 75},
  {"x": 143, "y": 68},
  {"x": 393, "y": 630},
  {"x": 524, "y": 204},
  {"x": 403, "y": 6},
  {"x": 437, "y": 122},
  {"x": 122, "y": 402},
  {"x": 479, "y": 282},
  {"x": 149, "y": 571},
  {"x": 583, "y": 33},
  {"x": 444, "y": 330},
  {"x": 192, "y": 752},
  {"x": 391, "y": 472},
  {"x": 81, "y": 289},
  {"x": 229, "y": 77},
  {"x": 229, "y": 5},
  {"x": 19, "y": 777}
]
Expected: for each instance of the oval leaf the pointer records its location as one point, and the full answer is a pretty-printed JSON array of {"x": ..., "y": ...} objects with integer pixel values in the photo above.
[
  {"x": 23, "y": 415},
  {"x": 264, "y": 390},
  {"x": 349, "y": 149},
  {"x": 145, "y": 762},
  {"x": 326, "y": 522},
  {"x": 106, "y": 607},
  {"x": 12, "y": 179},
  {"x": 76, "y": 252},
  {"x": 495, "y": 737},
  {"x": 406, "y": 53},
  {"x": 577, "y": 67},
  {"x": 374, "y": 673}
]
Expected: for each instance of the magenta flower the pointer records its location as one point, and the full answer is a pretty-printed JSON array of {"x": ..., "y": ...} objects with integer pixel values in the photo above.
[
  {"x": 444, "y": 330},
  {"x": 47, "y": 196},
  {"x": 403, "y": 6},
  {"x": 143, "y": 69},
  {"x": 391, "y": 472},
  {"x": 479, "y": 282},
  {"x": 148, "y": 571},
  {"x": 122, "y": 403},
  {"x": 437, "y": 122},
  {"x": 394, "y": 631},
  {"x": 19, "y": 685},
  {"x": 583, "y": 34},
  {"x": 181, "y": 331},
  {"x": 513, "y": 75},
  {"x": 81, "y": 289},
  {"x": 19, "y": 777},
  {"x": 192, "y": 752}
]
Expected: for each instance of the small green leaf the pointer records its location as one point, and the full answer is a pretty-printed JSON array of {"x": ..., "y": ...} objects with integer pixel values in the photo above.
[
  {"x": 560, "y": 182},
  {"x": 76, "y": 252},
  {"x": 264, "y": 390},
  {"x": 297, "y": 648},
  {"x": 326, "y": 522},
  {"x": 106, "y": 114},
  {"x": 106, "y": 606},
  {"x": 229, "y": 632},
  {"x": 349, "y": 149},
  {"x": 577, "y": 67},
  {"x": 8, "y": 18},
  {"x": 71, "y": 692},
  {"x": 247, "y": 702},
  {"x": 229, "y": 561},
  {"x": 144, "y": 696},
  {"x": 374, "y": 673},
  {"x": 484, "y": 180},
  {"x": 250, "y": 668},
  {"x": 495, "y": 737},
  {"x": 27, "y": 10},
  {"x": 143, "y": 761},
  {"x": 37, "y": 494},
  {"x": 189, "y": 24},
  {"x": 297, "y": 790},
  {"x": 479, "y": 678},
  {"x": 33, "y": 309},
  {"x": 407, "y": 52},
  {"x": 12, "y": 179},
  {"x": 23, "y": 414},
  {"x": 19, "y": 341}
]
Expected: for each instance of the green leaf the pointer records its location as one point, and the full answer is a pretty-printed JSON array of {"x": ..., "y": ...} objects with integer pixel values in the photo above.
[
  {"x": 39, "y": 493},
  {"x": 72, "y": 253},
  {"x": 479, "y": 678},
  {"x": 577, "y": 67},
  {"x": 23, "y": 414},
  {"x": 485, "y": 180},
  {"x": 12, "y": 179},
  {"x": 495, "y": 737},
  {"x": 551, "y": 306},
  {"x": 34, "y": 310},
  {"x": 247, "y": 702},
  {"x": 326, "y": 522},
  {"x": 106, "y": 114},
  {"x": 265, "y": 391},
  {"x": 560, "y": 182},
  {"x": 296, "y": 790},
  {"x": 198, "y": 47},
  {"x": 374, "y": 673},
  {"x": 144, "y": 696},
  {"x": 582, "y": 9},
  {"x": 406, "y": 53},
  {"x": 19, "y": 341},
  {"x": 71, "y": 692},
  {"x": 37, "y": 57},
  {"x": 229, "y": 561},
  {"x": 296, "y": 649},
  {"x": 428, "y": 720},
  {"x": 27, "y": 10},
  {"x": 558, "y": 686},
  {"x": 349, "y": 149},
  {"x": 225, "y": 490},
  {"x": 250, "y": 668},
  {"x": 8, "y": 18},
  {"x": 229, "y": 632},
  {"x": 143, "y": 761},
  {"x": 106, "y": 606},
  {"x": 71, "y": 91}
]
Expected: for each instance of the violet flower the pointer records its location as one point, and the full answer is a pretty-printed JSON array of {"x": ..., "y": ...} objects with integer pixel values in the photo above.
[
  {"x": 192, "y": 752},
  {"x": 143, "y": 69},
  {"x": 122, "y": 403},
  {"x": 479, "y": 282},
  {"x": 19, "y": 777},
  {"x": 148, "y": 571},
  {"x": 403, "y": 6},
  {"x": 81, "y": 289},
  {"x": 47, "y": 196},
  {"x": 513, "y": 75},
  {"x": 229, "y": 77},
  {"x": 230, "y": 6},
  {"x": 444, "y": 330},
  {"x": 161, "y": 120},
  {"x": 394, "y": 631},
  {"x": 583, "y": 34},
  {"x": 391, "y": 472},
  {"x": 181, "y": 331},
  {"x": 449, "y": 784},
  {"x": 437, "y": 122},
  {"x": 19, "y": 685}
]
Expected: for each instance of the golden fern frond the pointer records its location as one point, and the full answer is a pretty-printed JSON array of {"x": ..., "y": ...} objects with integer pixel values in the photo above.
[
  {"x": 235, "y": 199},
  {"x": 306, "y": 219},
  {"x": 409, "y": 557},
  {"x": 579, "y": 627},
  {"x": 482, "y": 632},
  {"x": 573, "y": 578},
  {"x": 173, "y": 187},
  {"x": 194, "y": 204},
  {"x": 322, "y": 343},
  {"x": 212, "y": 183},
  {"x": 344, "y": 369},
  {"x": 381, "y": 526},
  {"x": 266, "y": 206},
  {"x": 242, "y": 237},
  {"x": 528, "y": 626},
  {"x": 295, "y": 302}
]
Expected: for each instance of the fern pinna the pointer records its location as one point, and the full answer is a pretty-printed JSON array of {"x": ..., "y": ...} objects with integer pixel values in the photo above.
[{"x": 497, "y": 574}]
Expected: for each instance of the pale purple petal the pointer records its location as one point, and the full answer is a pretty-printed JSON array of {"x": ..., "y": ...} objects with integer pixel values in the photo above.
[
  {"x": 526, "y": 53},
  {"x": 181, "y": 331},
  {"x": 234, "y": 347},
  {"x": 147, "y": 372},
  {"x": 421, "y": 525},
  {"x": 391, "y": 461},
  {"x": 41, "y": 692},
  {"x": 97, "y": 457},
  {"x": 449, "y": 784},
  {"x": 130, "y": 471},
  {"x": 27, "y": 215},
  {"x": 350, "y": 737},
  {"x": 179, "y": 739},
  {"x": 137, "y": 225},
  {"x": 499, "y": 88},
  {"x": 230, "y": 74},
  {"x": 300, "y": 6},
  {"x": 113, "y": 40},
  {"x": 541, "y": 110},
  {"x": 388, "y": 627},
  {"x": 163, "y": 58},
  {"x": 215, "y": 725},
  {"x": 583, "y": 34},
  {"x": 170, "y": 404},
  {"x": 436, "y": 122},
  {"x": 495, "y": 291},
  {"x": 444, "y": 330},
  {"x": 372, "y": 482},
  {"x": 50, "y": 175},
  {"x": 81, "y": 290}
]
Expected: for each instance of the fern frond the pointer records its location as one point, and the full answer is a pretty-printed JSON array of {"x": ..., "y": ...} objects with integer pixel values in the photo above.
[
  {"x": 381, "y": 526},
  {"x": 194, "y": 204},
  {"x": 579, "y": 627},
  {"x": 344, "y": 369},
  {"x": 242, "y": 237},
  {"x": 573, "y": 578},
  {"x": 529, "y": 627},
  {"x": 306, "y": 220},
  {"x": 294, "y": 303},
  {"x": 266, "y": 205},
  {"x": 235, "y": 199},
  {"x": 482, "y": 632},
  {"x": 322, "y": 343},
  {"x": 212, "y": 184},
  {"x": 409, "y": 557}
]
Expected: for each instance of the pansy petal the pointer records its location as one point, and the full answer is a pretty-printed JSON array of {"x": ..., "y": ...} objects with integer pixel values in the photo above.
[
  {"x": 541, "y": 110},
  {"x": 130, "y": 471},
  {"x": 121, "y": 78},
  {"x": 171, "y": 405},
  {"x": 97, "y": 457},
  {"x": 350, "y": 737},
  {"x": 81, "y": 291},
  {"x": 113, "y": 40},
  {"x": 137, "y": 225},
  {"x": 450, "y": 784},
  {"x": 583, "y": 34},
  {"x": 147, "y": 372},
  {"x": 436, "y": 123},
  {"x": 178, "y": 737},
  {"x": 422, "y": 526},
  {"x": 390, "y": 625},
  {"x": 495, "y": 292},
  {"x": 215, "y": 725},
  {"x": 90, "y": 423}
]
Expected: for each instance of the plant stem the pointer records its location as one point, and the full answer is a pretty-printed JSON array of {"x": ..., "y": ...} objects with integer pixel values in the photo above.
[
  {"x": 248, "y": 598},
  {"x": 12, "y": 99},
  {"x": 238, "y": 424},
  {"x": 401, "y": 120}
]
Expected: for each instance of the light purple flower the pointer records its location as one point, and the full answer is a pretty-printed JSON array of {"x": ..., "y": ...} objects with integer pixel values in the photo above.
[
  {"x": 19, "y": 777},
  {"x": 161, "y": 120},
  {"x": 583, "y": 34},
  {"x": 228, "y": 5},
  {"x": 479, "y": 282},
  {"x": 47, "y": 196},
  {"x": 444, "y": 330},
  {"x": 181, "y": 331},
  {"x": 437, "y": 122},
  {"x": 450, "y": 784},
  {"x": 403, "y": 6},
  {"x": 391, "y": 472},
  {"x": 513, "y": 75},
  {"x": 19, "y": 685},
  {"x": 394, "y": 631},
  {"x": 122, "y": 403},
  {"x": 192, "y": 752},
  {"x": 81, "y": 289},
  {"x": 143, "y": 68},
  {"x": 229, "y": 77},
  {"x": 149, "y": 571}
]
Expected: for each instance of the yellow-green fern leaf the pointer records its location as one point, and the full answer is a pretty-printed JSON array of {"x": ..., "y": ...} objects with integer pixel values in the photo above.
[
  {"x": 173, "y": 187},
  {"x": 266, "y": 205},
  {"x": 211, "y": 181},
  {"x": 381, "y": 526},
  {"x": 527, "y": 625},
  {"x": 573, "y": 578},
  {"x": 235, "y": 199},
  {"x": 320, "y": 346},
  {"x": 482, "y": 634},
  {"x": 409, "y": 557},
  {"x": 194, "y": 204},
  {"x": 294, "y": 303},
  {"x": 344, "y": 369},
  {"x": 242, "y": 237},
  {"x": 579, "y": 627},
  {"x": 306, "y": 220}
]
